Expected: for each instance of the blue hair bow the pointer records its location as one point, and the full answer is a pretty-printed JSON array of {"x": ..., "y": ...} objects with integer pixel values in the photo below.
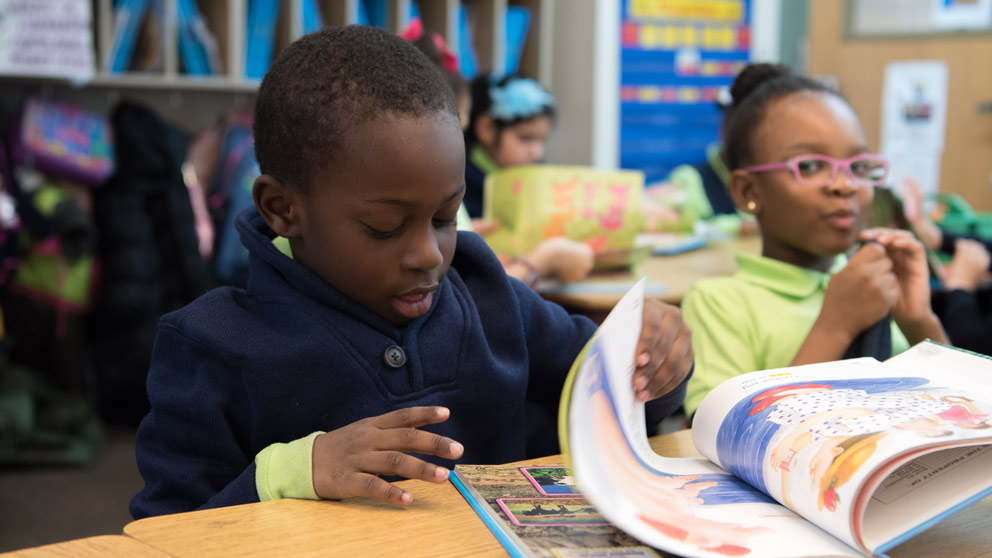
[{"x": 520, "y": 98}]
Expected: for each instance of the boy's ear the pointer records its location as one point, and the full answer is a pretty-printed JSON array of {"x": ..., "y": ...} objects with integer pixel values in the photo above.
[
  {"x": 278, "y": 204},
  {"x": 744, "y": 191},
  {"x": 485, "y": 130}
]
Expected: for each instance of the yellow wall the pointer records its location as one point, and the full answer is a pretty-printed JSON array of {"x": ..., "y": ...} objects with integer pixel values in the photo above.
[{"x": 859, "y": 66}]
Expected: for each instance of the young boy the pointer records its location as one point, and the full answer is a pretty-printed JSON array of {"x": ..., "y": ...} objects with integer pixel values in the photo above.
[{"x": 346, "y": 361}]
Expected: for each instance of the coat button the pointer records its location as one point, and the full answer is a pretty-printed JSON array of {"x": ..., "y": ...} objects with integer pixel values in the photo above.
[{"x": 394, "y": 357}]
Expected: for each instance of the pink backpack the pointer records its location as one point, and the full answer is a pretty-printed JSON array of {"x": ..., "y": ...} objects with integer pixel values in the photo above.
[{"x": 64, "y": 142}]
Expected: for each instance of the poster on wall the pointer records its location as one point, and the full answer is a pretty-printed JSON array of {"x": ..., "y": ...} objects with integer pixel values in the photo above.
[
  {"x": 51, "y": 38},
  {"x": 914, "y": 116},
  {"x": 961, "y": 14},
  {"x": 873, "y": 18},
  {"x": 676, "y": 56}
]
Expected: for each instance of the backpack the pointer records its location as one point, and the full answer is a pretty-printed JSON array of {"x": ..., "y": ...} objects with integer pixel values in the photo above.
[
  {"x": 149, "y": 255},
  {"x": 46, "y": 299},
  {"x": 64, "y": 143},
  {"x": 48, "y": 272},
  {"x": 231, "y": 193}
]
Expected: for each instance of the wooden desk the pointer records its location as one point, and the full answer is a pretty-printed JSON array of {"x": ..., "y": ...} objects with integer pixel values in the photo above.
[
  {"x": 438, "y": 523},
  {"x": 91, "y": 547},
  {"x": 677, "y": 273}
]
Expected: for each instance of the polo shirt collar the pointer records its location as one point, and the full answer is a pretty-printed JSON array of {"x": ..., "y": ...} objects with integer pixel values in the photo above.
[
  {"x": 714, "y": 156},
  {"x": 481, "y": 159},
  {"x": 784, "y": 278}
]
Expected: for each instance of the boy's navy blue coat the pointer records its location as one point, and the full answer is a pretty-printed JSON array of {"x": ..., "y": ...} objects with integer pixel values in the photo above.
[{"x": 238, "y": 370}]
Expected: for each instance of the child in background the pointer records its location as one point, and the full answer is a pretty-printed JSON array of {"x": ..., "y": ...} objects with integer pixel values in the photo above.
[
  {"x": 560, "y": 258},
  {"x": 509, "y": 121},
  {"x": 380, "y": 347},
  {"x": 963, "y": 303},
  {"x": 432, "y": 44},
  {"x": 929, "y": 233},
  {"x": 799, "y": 163}
]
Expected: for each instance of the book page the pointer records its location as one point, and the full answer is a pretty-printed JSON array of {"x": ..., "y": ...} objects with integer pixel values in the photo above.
[
  {"x": 812, "y": 436},
  {"x": 924, "y": 491},
  {"x": 689, "y": 507}
]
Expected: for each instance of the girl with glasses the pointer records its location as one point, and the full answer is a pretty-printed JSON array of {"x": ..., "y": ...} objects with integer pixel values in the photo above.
[{"x": 823, "y": 288}]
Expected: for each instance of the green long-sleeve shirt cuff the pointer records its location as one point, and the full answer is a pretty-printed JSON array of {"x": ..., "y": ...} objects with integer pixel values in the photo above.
[{"x": 286, "y": 470}]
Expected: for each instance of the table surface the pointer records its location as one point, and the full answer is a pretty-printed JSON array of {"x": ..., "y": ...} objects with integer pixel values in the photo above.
[
  {"x": 438, "y": 523},
  {"x": 91, "y": 547},
  {"x": 677, "y": 273}
]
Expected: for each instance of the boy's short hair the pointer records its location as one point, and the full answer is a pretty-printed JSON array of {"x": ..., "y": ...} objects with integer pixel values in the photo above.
[{"x": 330, "y": 81}]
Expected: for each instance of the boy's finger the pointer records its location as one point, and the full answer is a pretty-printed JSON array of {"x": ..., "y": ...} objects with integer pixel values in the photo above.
[
  {"x": 672, "y": 371},
  {"x": 650, "y": 325},
  {"x": 652, "y": 356},
  {"x": 658, "y": 328},
  {"x": 412, "y": 417},
  {"x": 364, "y": 484},
  {"x": 411, "y": 440},
  {"x": 663, "y": 329},
  {"x": 679, "y": 369},
  {"x": 399, "y": 464}
]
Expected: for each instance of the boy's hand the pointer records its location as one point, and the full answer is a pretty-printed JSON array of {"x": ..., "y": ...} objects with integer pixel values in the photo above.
[
  {"x": 860, "y": 294},
  {"x": 347, "y": 462},
  {"x": 664, "y": 352}
]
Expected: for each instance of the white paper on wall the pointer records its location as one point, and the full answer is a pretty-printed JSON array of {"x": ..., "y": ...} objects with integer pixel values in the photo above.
[
  {"x": 961, "y": 14},
  {"x": 914, "y": 118},
  {"x": 51, "y": 38},
  {"x": 922, "y": 167}
]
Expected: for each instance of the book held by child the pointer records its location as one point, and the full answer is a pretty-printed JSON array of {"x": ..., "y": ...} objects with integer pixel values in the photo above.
[
  {"x": 845, "y": 458},
  {"x": 535, "y": 202}
]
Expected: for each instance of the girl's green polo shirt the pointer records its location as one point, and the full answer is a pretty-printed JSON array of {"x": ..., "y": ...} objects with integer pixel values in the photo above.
[{"x": 754, "y": 320}]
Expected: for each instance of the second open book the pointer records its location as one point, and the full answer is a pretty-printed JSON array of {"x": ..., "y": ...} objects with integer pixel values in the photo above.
[{"x": 863, "y": 454}]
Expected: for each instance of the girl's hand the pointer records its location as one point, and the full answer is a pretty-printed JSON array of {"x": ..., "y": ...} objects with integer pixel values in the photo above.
[
  {"x": 909, "y": 264},
  {"x": 348, "y": 461},
  {"x": 664, "y": 352},
  {"x": 860, "y": 294},
  {"x": 911, "y": 311}
]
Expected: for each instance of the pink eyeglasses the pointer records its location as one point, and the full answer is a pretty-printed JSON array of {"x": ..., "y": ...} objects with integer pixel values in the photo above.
[{"x": 867, "y": 169}]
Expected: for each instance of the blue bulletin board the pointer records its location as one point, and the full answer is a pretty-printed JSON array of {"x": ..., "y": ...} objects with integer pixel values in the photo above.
[{"x": 675, "y": 56}]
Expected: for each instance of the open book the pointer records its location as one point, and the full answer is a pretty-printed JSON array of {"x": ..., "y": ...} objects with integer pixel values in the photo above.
[
  {"x": 536, "y": 511},
  {"x": 845, "y": 458}
]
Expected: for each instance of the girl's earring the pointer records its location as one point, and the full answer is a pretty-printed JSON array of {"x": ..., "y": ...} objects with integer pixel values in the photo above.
[{"x": 751, "y": 206}]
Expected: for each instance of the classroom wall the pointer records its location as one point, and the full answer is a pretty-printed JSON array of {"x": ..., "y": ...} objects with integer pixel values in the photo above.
[
  {"x": 585, "y": 78},
  {"x": 766, "y": 19},
  {"x": 585, "y": 71},
  {"x": 859, "y": 66}
]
